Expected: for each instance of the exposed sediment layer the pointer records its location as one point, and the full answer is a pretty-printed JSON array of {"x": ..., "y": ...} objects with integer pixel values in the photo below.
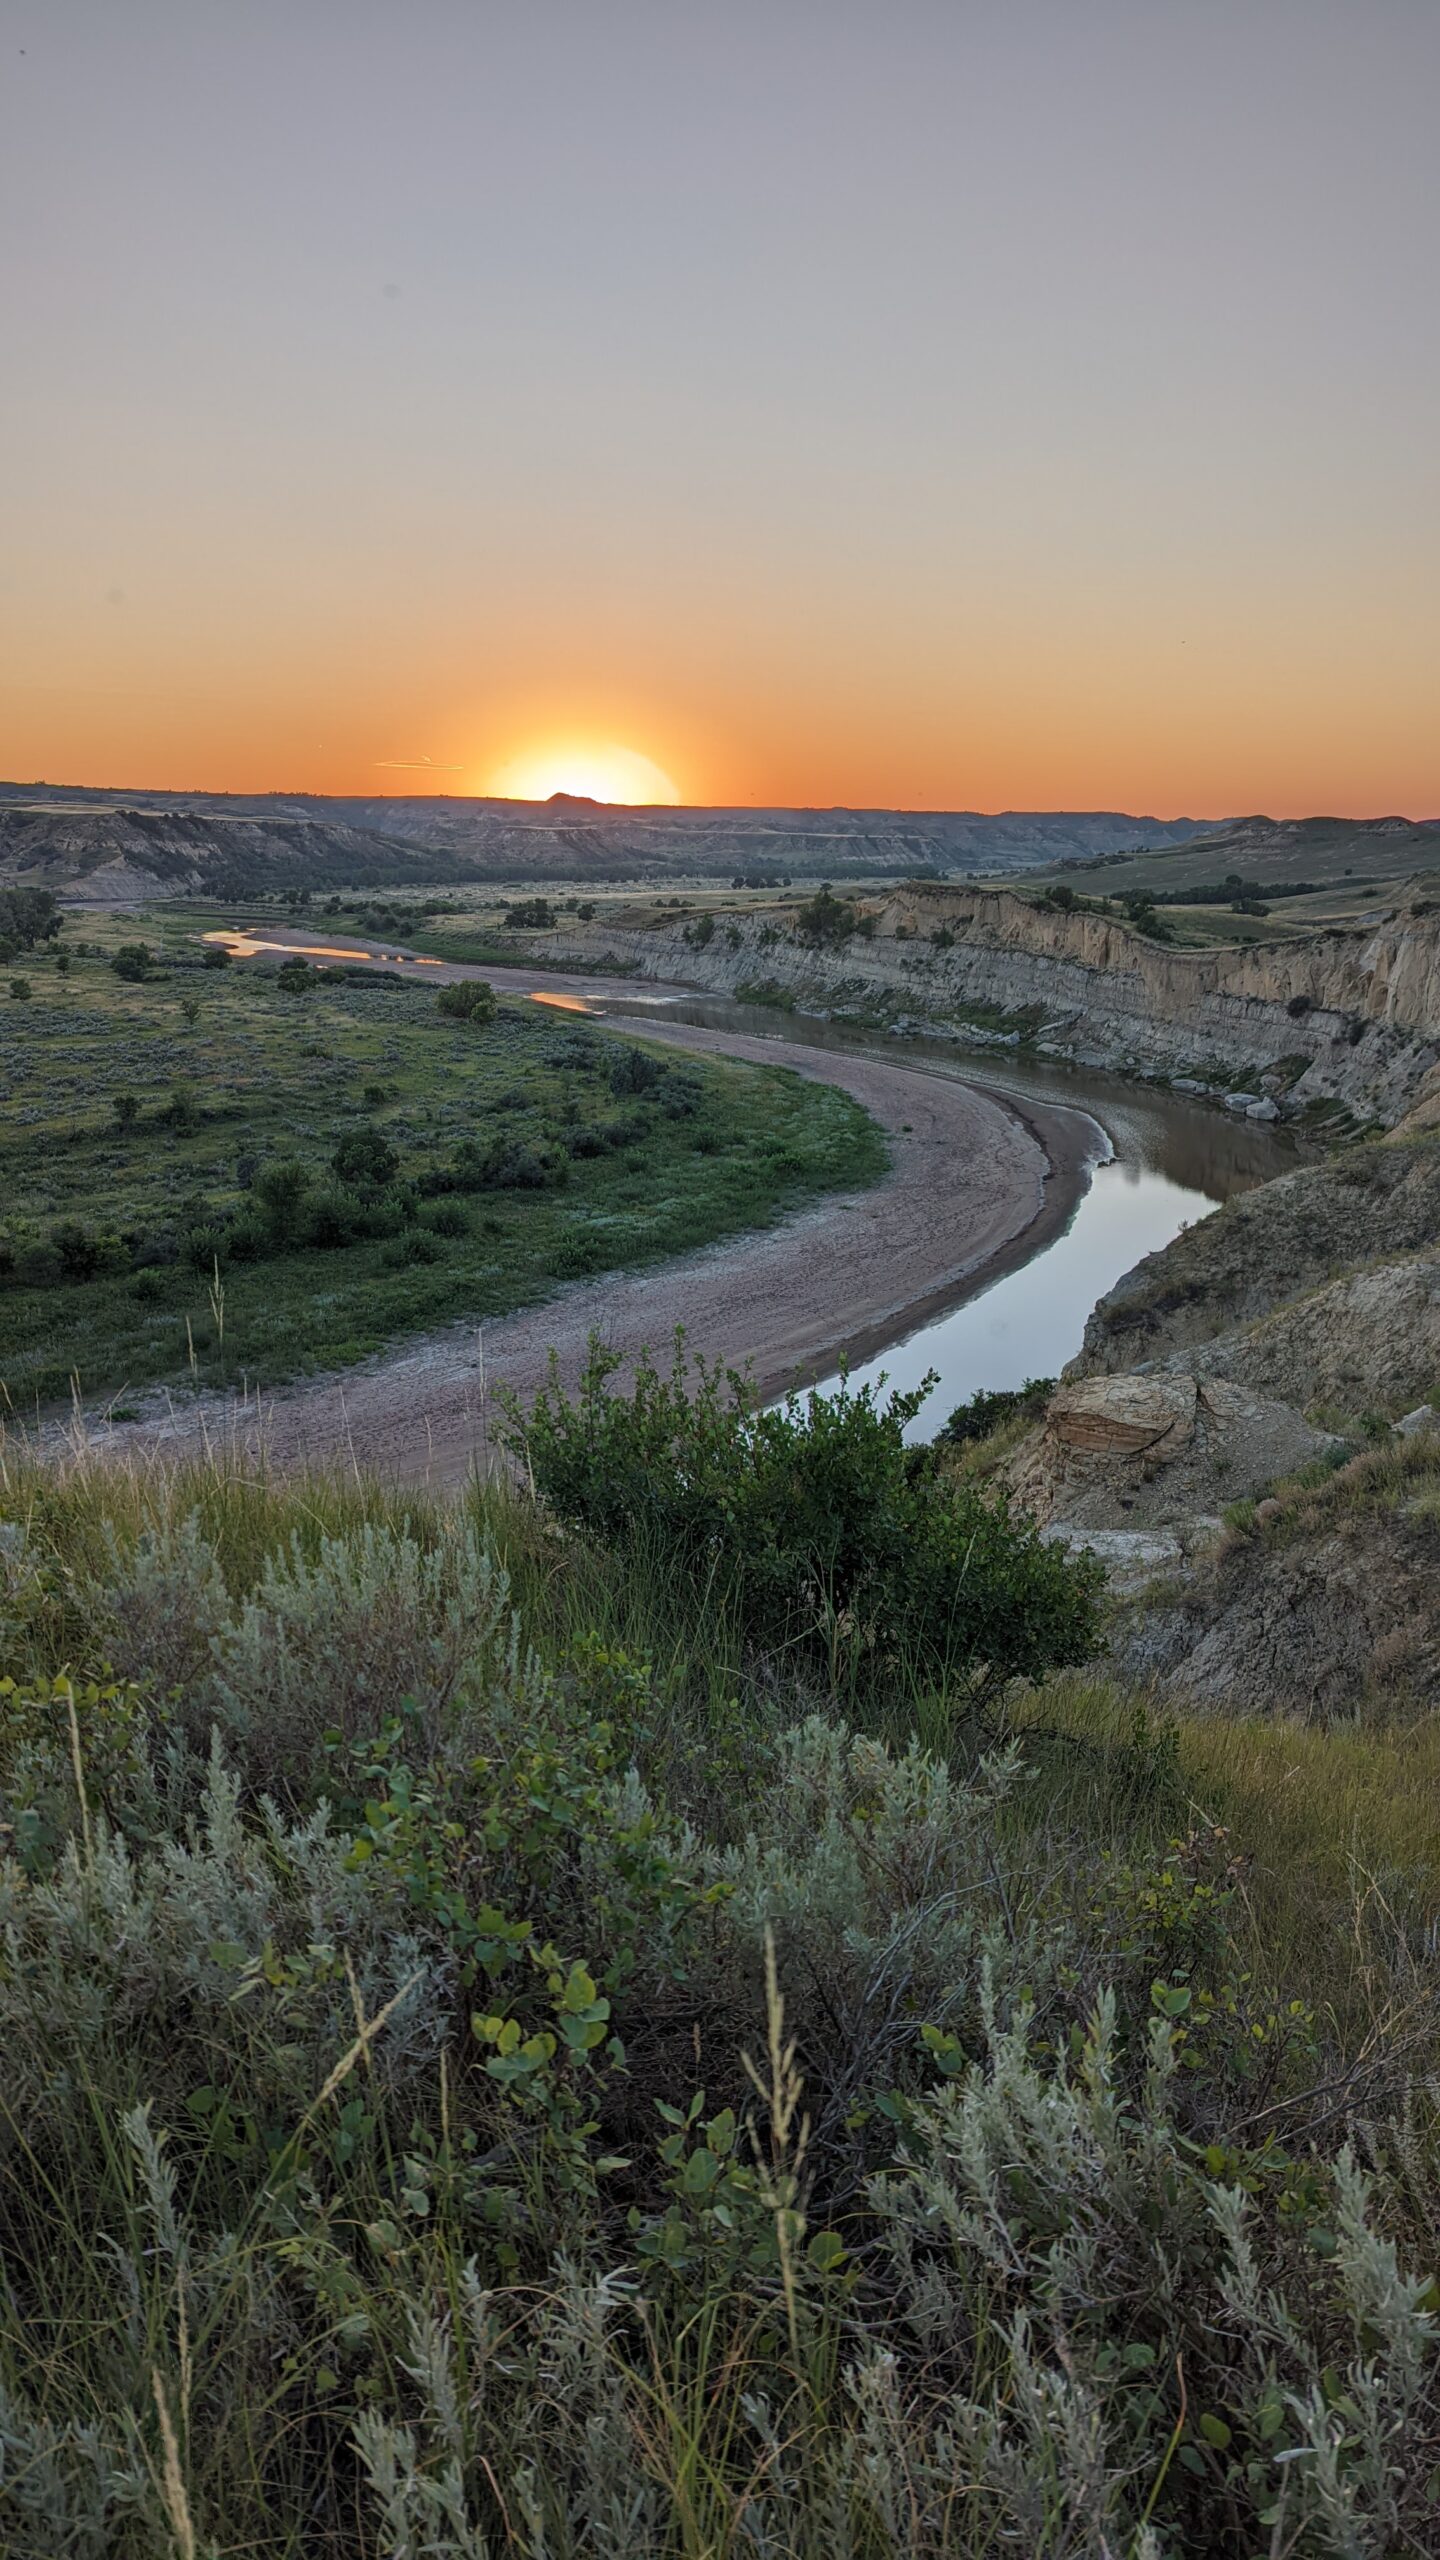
[{"x": 1350, "y": 1017}]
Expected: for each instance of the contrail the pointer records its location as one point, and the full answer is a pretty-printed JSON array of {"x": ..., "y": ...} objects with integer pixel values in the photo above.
[{"x": 414, "y": 764}]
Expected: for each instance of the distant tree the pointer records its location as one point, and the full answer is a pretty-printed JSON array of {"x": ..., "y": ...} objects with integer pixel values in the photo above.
[
  {"x": 215, "y": 956},
  {"x": 825, "y": 918},
  {"x": 190, "y": 1007},
  {"x": 364, "y": 1158},
  {"x": 133, "y": 961},
  {"x": 467, "y": 1000},
  {"x": 21, "y": 990},
  {"x": 295, "y": 977},
  {"x": 585, "y": 910},
  {"x": 126, "y": 1108},
  {"x": 27, "y": 917},
  {"x": 1141, "y": 911},
  {"x": 182, "y": 1111},
  {"x": 280, "y": 1188}
]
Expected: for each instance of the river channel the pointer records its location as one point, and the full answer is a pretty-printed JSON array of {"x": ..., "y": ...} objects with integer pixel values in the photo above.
[{"x": 1160, "y": 1164}]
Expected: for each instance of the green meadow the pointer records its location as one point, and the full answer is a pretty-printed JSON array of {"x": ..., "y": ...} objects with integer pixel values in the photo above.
[{"x": 238, "y": 1171}]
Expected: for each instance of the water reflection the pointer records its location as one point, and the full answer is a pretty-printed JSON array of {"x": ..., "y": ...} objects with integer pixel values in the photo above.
[
  {"x": 1174, "y": 1161},
  {"x": 244, "y": 946}
]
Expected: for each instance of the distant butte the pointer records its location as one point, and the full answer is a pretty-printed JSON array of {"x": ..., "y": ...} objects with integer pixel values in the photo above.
[{"x": 575, "y": 800}]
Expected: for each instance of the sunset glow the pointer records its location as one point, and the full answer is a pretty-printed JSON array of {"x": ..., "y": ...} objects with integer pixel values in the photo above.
[
  {"x": 645, "y": 455},
  {"x": 588, "y": 772}
]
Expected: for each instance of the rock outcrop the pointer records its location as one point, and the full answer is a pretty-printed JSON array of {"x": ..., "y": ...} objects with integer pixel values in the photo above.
[
  {"x": 1313, "y": 1619},
  {"x": 1134, "y": 1453},
  {"x": 1348, "y": 1017},
  {"x": 1270, "y": 1248}
]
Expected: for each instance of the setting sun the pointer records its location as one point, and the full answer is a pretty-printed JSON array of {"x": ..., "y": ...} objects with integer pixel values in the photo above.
[{"x": 589, "y": 772}]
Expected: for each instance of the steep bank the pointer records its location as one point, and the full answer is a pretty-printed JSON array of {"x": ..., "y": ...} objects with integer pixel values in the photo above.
[
  {"x": 1247, "y": 1437},
  {"x": 1349, "y": 1018}
]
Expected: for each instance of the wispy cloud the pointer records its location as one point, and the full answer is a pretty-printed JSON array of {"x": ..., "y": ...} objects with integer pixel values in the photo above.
[{"x": 414, "y": 764}]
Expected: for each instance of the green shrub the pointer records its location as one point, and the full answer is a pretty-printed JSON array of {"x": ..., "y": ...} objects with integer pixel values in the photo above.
[
  {"x": 21, "y": 991},
  {"x": 134, "y": 961},
  {"x": 467, "y": 1000},
  {"x": 812, "y": 1520},
  {"x": 365, "y": 1157},
  {"x": 445, "y": 1218},
  {"x": 825, "y": 918},
  {"x": 279, "y": 1191},
  {"x": 989, "y": 1407}
]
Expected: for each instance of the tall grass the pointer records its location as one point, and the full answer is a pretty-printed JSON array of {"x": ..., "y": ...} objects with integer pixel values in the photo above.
[{"x": 608, "y": 2100}]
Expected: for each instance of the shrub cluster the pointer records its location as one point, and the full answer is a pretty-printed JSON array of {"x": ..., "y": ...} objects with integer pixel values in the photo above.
[
  {"x": 439, "y": 2119},
  {"x": 813, "y": 1521}
]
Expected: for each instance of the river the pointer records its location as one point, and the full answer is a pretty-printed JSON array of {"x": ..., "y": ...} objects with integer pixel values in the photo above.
[{"x": 1161, "y": 1164}]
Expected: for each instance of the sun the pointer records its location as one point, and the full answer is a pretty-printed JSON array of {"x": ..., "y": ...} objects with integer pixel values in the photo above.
[{"x": 586, "y": 773}]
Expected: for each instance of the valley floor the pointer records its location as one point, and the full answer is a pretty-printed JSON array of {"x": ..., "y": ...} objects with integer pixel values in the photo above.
[{"x": 975, "y": 1187}]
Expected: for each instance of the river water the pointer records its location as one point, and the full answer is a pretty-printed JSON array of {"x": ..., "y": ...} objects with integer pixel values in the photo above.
[{"x": 1161, "y": 1164}]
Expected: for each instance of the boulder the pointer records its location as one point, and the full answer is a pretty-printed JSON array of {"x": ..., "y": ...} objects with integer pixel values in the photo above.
[
  {"x": 1264, "y": 1110},
  {"x": 1155, "y": 1451},
  {"x": 1120, "y": 1417}
]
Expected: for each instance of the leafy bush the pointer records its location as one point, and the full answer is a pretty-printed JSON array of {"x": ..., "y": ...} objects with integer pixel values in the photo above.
[
  {"x": 449, "y": 2108},
  {"x": 634, "y": 1071},
  {"x": 445, "y": 1218},
  {"x": 508, "y": 1164},
  {"x": 812, "y": 1520},
  {"x": 21, "y": 991},
  {"x": 989, "y": 1407},
  {"x": 134, "y": 961},
  {"x": 467, "y": 1000},
  {"x": 332, "y": 1216},
  {"x": 364, "y": 1156},
  {"x": 825, "y": 918},
  {"x": 279, "y": 1190},
  {"x": 27, "y": 917}
]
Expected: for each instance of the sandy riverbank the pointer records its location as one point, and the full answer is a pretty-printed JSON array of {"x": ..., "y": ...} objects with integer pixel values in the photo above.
[{"x": 977, "y": 1183}]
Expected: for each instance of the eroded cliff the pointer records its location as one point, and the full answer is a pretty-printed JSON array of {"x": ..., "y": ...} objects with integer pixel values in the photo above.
[{"x": 1349, "y": 1017}]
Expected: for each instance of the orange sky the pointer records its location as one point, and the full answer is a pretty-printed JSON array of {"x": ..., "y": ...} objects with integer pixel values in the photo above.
[{"x": 934, "y": 407}]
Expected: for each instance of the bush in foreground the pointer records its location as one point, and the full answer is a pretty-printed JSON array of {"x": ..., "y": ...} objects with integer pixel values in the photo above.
[
  {"x": 469, "y": 2092},
  {"x": 829, "y": 1538}
]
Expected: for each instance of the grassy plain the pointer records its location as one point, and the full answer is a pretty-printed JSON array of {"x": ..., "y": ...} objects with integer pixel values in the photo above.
[{"x": 148, "y": 1132}]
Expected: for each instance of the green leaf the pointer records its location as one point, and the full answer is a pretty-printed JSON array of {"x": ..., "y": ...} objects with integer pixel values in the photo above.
[
  {"x": 700, "y": 2173},
  {"x": 1215, "y": 2431},
  {"x": 826, "y": 2252}
]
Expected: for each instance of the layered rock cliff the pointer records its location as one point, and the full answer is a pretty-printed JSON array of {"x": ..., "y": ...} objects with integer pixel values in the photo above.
[{"x": 1349, "y": 1017}]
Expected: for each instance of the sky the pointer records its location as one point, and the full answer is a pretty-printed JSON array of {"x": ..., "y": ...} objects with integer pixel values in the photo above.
[{"x": 927, "y": 403}]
